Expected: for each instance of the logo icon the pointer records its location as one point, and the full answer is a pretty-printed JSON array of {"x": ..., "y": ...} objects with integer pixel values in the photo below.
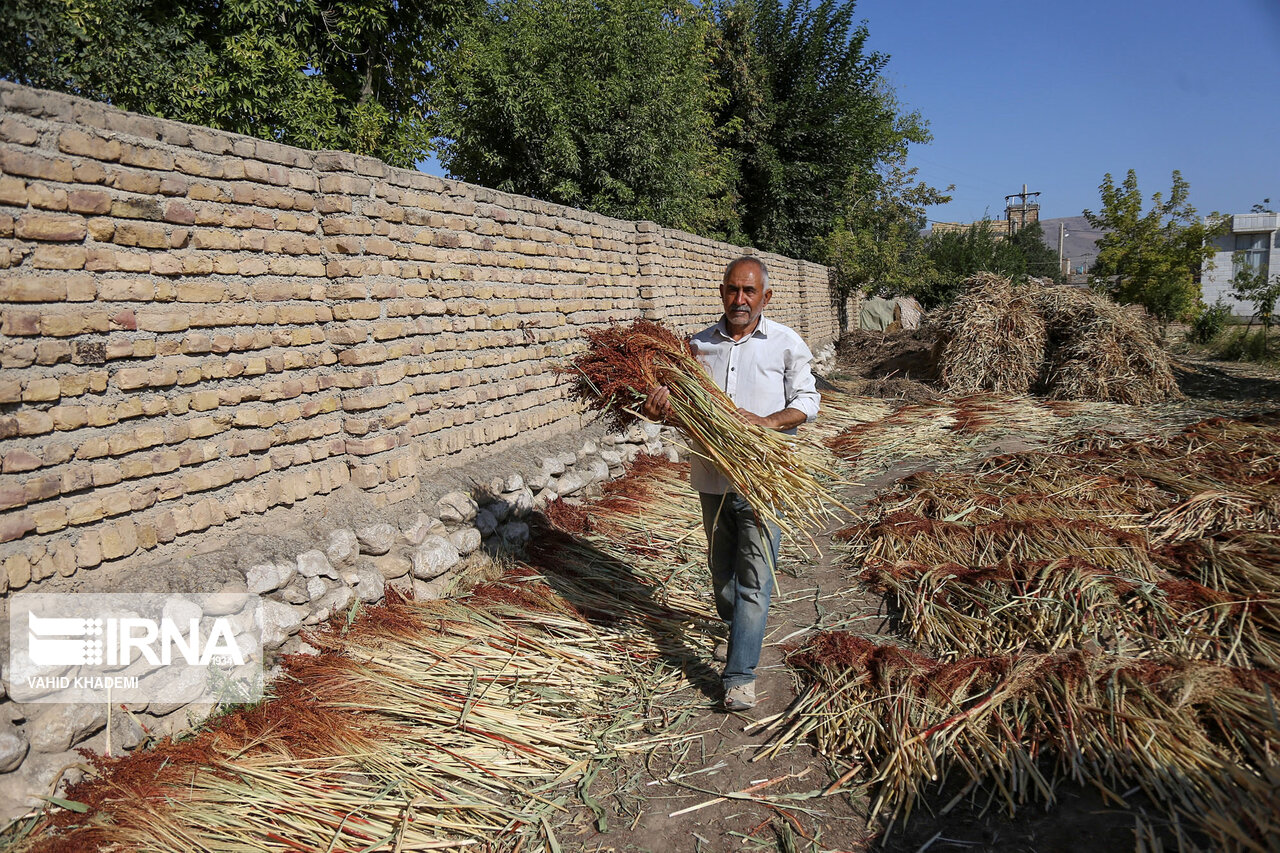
[{"x": 135, "y": 648}]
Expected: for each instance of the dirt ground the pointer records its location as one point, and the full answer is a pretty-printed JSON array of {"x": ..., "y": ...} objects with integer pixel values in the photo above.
[{"x": 667, "y": 801}]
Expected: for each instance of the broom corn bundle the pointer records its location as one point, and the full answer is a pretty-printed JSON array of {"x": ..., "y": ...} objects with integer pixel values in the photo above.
[{"x": 777, "y": 475}]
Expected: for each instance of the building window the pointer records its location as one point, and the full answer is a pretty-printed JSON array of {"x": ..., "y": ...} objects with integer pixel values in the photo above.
[{"x": 1251, "y": 253}]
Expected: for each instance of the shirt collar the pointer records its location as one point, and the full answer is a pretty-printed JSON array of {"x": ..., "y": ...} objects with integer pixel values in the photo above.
[{"x": 761, "y": 330}]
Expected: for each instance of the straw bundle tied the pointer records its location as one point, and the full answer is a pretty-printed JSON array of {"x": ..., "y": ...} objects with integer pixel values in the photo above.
[
  {"x": 776, "y": 474},
  {"x": 1066, "y": 342}
]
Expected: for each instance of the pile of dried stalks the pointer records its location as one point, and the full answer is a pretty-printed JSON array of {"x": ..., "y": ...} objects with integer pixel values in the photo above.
[
  {"x": 1098, "y": 350},
  {"x": 990, "y": 339},
  {"x": 1105, "y": 611},
  {"x": 434, "y": 725},
  {"x": 779, "y": 476},
  {"x": 1066, "y": 342}
]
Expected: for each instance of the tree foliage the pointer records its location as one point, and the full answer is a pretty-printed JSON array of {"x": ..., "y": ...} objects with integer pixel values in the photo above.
[
  {"x": 1152, "y": 258},
  {"x": 875, "y": 240},
  {"x": 953, "y": 256},
  {"x": 347, "y": 74},
  {"x": 808, "y": 119},
  {"x": 595, "y": 104}
]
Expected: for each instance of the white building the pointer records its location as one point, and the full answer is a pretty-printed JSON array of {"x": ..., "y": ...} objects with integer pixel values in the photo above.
[{"x": 1252, "y": 242}]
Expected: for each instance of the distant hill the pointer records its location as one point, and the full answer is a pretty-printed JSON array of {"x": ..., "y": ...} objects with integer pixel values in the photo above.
[{"x": 1078, "y": 246}]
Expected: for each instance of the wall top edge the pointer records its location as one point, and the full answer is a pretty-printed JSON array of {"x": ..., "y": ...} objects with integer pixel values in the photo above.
[{"x": 57, "y": 106}]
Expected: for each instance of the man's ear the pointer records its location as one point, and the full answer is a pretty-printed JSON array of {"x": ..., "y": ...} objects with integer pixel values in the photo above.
[{"x": 768, "y": 294}]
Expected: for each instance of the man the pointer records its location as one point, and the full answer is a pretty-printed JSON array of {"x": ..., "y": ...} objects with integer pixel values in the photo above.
[{"x": 764, "y": 368}]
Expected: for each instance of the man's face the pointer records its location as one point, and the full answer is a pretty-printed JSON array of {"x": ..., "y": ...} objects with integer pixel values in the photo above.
[{"x": 744, "y": 298}]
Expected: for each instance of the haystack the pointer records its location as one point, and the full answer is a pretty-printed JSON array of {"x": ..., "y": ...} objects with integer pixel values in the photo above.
[
  {"x": 990, "y": 339},
  {"x": 1098, "y": 350},
  {"x": 1065, "y": 342}
]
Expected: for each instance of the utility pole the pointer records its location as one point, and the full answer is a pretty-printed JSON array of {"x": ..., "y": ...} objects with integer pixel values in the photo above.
[
  {"x": 1021, "y": 208},
  {"x": 1062, "y": 236}
]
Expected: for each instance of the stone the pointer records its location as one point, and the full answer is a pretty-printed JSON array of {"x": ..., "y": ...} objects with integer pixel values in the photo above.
[
  {"x": 376, "y": 539},
  {"x": 522, "y": 502},
  {"x": 279, "y": 622},
  {"x": 316, "y": 563},
  {"x": 466, "y": 539},
  {"x": 343, "y": 547},
  {"x": 499, "y": 508},
  {"x": 589, "y": 448},
  {"x": 296, "y": 591},
  {"x": 650, "y": 430},
  {"x": 514, "y": 534},
  {"x": 391, "y": 566},
  {"x": 57, "y": 728},
  {"x": 611, "y": 457},
  {"x": 432, "y": 590},
  {"x": 568, "y": 457},
  {"x": 422, "y": 527},
  {"x": 268, "y": 577},
  {"x": 672, "y": 454},
  {"x": 456, "y": 508},
  {"x": 370, "y": 585},
  {"x": 333, "y": 603},
  {"x": 126, "y": 732},
  {"x": 435, "y": 556},
  {"x": 316, "y": 587},
  {"x": 553, "y": 467},
  {"x": 538, "y": 482},
  {"x": 514, "y": 483},
  {"x": 569, "y": 483},
  {"x": 594, "y": 470},
  {"x": 544, "y": 497},
  {"x": 13, "y": 747},
  {"x": 485, "y": 522},
  {"x": 635, "y": 434},
  {"x": 630, "y": 452}
]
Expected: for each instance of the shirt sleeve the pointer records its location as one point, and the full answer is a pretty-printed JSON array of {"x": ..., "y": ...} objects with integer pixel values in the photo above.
[{"x": 800, "y": 387}]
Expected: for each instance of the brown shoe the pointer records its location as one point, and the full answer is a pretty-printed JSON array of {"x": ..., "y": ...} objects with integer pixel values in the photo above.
[{"x": 741, "y": 697}]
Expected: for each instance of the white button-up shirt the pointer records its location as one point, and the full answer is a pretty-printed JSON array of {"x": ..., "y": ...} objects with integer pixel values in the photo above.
[{"x": 765, "y": 372}]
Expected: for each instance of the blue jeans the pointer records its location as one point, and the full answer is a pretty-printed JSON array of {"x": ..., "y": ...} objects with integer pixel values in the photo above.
[{"x": 741, "y": 554}]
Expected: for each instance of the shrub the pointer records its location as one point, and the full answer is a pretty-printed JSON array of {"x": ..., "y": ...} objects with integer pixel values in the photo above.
[{"x": 1210, "y": 323}]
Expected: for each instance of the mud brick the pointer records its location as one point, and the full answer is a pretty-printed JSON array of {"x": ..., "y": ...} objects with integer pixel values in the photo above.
[
  {"x": 142, "y": 498},
  {"x": 49, "y": 518},
  {"x": 144, "y": 234},
  {"x": 93, "y": 448},
  {"x": 69, "y": 417},
  {"x": 88, "y": 144},
  {"x": 46, "y": 197},
  {"x": 85, "y": 510},
  {"x": 51, "y": 227},
  {"x": 10, "y": 390},
  {"x": 165, "y": 527},
  {"x": 148, "y": 536},
  {"x": 158, "y": 321},
  {"x": 33, "y": 422},
  {"x": 206, "y": 292},
  {"x": 30, "y": 164},
  {"x": 119, "y": 539},
  {"x": 89, "y": 173},
  {"x": 17, "y": 460},
  {"x": 142, "y": 183},
  {"x": 52, "y": 351},
  {"x": 17, "y": 569}
]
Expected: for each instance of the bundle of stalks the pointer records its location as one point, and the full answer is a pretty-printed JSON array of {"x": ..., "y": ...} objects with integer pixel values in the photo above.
[
  {"x": 990, "y": 339},
  {"x": 907, "y": 537},
  {"x": 1018, "y": 726},
  {"x": 776, "y": 474},
  {"x": 841, "y": 411},
  {"x": 1097, "y": 350},
  {"x": 1044, "y": 606}
]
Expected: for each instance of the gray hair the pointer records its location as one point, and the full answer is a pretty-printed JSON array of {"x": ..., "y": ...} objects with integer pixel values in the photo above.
[{"x": 749, "y": 259}]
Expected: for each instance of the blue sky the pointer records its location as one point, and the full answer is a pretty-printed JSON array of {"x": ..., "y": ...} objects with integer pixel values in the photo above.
[{"x": 1055, "y": 95}]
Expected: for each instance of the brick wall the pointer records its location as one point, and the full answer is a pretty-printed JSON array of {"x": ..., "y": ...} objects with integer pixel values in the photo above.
[{"x": 198, "y": 325}]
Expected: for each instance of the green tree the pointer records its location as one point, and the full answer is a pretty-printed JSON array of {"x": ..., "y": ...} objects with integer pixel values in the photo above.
[
  {"x": 808, "y": 119},
  {"x": 1252, "y": 285},
  {"x": 602, "y": 105},
  {"x": 348, "y": 74},
  {"x": 875, "y": 241},
  {"x": 1152, "y": 259},
  {"x": 954, "y": 256}
]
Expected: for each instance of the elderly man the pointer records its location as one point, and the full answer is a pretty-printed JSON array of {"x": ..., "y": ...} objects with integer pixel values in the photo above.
[{"x": 764, "y": 368}]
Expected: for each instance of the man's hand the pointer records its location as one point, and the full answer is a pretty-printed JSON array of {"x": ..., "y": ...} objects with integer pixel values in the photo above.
[
  {"x": 785, "y": 419},
  {"x": 657, "y": 405}
]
